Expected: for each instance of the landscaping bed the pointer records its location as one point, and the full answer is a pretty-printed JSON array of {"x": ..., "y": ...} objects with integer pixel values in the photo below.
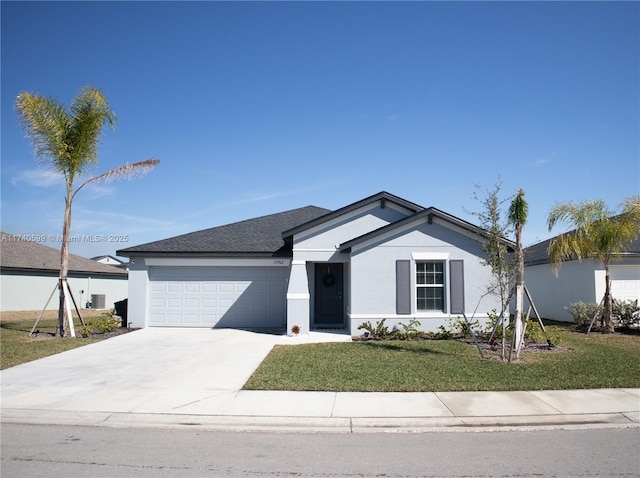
[{"x": 17, "y": 346}]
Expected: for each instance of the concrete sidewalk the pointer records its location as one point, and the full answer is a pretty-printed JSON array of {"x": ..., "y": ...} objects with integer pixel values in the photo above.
[{"x": 186, "y": 378}]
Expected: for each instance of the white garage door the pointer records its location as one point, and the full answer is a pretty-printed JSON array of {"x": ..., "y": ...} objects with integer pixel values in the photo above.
[
  {"x": 625, "y": 282},
  {"x": 217, "y": 296}
]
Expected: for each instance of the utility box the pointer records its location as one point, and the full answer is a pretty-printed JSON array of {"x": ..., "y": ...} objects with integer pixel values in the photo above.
[{"x": 97, "y": 301}]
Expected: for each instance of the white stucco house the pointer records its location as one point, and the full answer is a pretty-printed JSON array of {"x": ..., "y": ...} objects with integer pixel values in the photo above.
[
  {"x": 578, "y": 281},
  {"x": 379, "y": 258},
  {"x": 29, "y": 273}
]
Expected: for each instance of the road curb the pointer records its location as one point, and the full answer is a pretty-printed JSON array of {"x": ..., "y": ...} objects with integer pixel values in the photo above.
[{"x": 320, "y": 424}]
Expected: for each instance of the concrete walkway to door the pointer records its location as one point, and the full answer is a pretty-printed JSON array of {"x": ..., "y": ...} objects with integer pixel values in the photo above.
[{"x": 179, "y": 377}]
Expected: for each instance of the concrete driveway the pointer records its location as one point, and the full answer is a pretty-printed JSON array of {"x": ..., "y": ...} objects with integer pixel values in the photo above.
[{"x": 153, "y": 370}]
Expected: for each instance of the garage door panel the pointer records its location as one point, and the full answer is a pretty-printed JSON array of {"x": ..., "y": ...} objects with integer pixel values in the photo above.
[
  {"x": 158, "y": 303},
  {"x": 174, "y": 287},
  {"x": 158, "y": 287},
  {"x": 625, "y": 282},
  {"x": 218, "y": 296},
  {"x": 209, "y": 287},
  {"x": 192, "y": 287}
]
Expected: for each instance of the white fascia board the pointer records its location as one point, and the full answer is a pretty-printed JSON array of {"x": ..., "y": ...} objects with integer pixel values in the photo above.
[
  {"x": 333, "y": 249},
  {"x": 430, "y": 256},
  {"x": 212, "y": 262}
]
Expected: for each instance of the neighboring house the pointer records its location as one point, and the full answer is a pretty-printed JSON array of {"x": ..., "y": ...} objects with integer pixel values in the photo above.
[
  {"x": 578, "y": 281},
  {"x": 29, "y": 274},
  {"x": 112, "y": 261},
  {"x": 380, "y": 258}
]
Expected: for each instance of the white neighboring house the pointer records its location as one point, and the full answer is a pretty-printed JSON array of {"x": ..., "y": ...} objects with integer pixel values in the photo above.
[
  {"x": 29, "y": 273},
  {"x": 578, "y": 281}
]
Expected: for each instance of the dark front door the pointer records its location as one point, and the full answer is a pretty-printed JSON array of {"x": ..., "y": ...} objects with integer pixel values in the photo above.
[{"x": 329, "y": 302}]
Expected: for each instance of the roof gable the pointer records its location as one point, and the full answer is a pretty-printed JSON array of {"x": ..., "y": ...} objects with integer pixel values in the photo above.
[
  {"x": 383, "y": 197},
  {"x": 425, "y": 215},
  {"x": 27, "y": 255},
  {"x": 261, "y": 236}
]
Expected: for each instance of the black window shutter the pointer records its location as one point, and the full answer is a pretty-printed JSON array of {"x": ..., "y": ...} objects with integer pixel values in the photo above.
[
  {"x": 403, "y": 287},
  {"x": 456, "y": 277}
]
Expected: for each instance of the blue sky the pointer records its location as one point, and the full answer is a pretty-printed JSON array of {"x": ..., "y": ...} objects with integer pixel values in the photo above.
[{"x": 258, "y": 108}]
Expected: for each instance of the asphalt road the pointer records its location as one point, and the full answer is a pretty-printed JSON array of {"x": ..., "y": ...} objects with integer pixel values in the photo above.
[{"x": 97, "y": 452}]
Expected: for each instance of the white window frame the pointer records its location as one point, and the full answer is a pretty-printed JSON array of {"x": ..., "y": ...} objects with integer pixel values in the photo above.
[{"x": 442, "y": 257}]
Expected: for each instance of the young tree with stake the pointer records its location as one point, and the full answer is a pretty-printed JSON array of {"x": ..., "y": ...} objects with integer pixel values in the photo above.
[
  {"x": 68, "y": 141},
  {"x": 518, "y": 212}
]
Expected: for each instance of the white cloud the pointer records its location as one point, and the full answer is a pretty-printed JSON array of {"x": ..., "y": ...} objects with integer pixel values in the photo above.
[
  {"x": 42, "y": 178},
  {"x": 541, "y": 161},
  {"x": 259, "y": 196}
]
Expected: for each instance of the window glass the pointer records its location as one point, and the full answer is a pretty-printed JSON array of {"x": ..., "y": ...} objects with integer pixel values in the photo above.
[{"x": 430, "y": 285}]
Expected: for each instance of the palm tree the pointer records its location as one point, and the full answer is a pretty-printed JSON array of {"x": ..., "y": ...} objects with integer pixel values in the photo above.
[
  {"x": 518, "y": 212},
  {"x": 599, "y": 234},
  {"x": 68, "y": 141}
]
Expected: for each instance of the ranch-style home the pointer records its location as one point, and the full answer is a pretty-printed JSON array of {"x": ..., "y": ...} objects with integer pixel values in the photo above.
[{"x": 379, "y": 258}]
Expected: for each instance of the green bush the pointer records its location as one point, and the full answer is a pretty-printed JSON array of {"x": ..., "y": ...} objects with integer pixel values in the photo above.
[
  {"x": 534, "y": 333},
  {"x": 378, "y": 332},
  {"x": 103, "y": 324},
  {"x": 408, "y": 331},
  {"x": 461, "y": 327},
  {"x": 626, "y": 313},
  {"x": 583, "y": 313}
]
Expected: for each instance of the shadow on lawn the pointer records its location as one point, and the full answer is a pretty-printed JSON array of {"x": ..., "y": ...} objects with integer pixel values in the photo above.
[{"x": 404, "y": 346}]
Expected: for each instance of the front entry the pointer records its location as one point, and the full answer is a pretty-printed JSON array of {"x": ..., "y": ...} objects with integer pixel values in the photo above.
[{"x": 329, "y": 296}]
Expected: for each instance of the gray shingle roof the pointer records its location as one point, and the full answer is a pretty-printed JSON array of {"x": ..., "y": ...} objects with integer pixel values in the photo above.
[
  {"x": 257, "y": 237},
  {"x": 19, "y": 254},
  {"x": 538, "y": 253}
]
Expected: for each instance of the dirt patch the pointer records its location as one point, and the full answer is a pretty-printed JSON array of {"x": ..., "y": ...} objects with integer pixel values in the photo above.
[{"x": 94, "y": 335}]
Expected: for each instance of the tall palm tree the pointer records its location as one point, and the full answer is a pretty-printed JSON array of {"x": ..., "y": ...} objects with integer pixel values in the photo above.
[
  {"x": 517, "y": 215},
  {"x": 599, "y": 234},
  {"x": 68, "y": 141}
]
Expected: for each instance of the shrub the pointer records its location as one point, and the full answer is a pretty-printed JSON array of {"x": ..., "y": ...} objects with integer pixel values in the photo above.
[
  {"x": 378, "y": 332},
  {"x": 103, "y": 324},
  {"x": 401, "y": 331},
  {"x": 534, "y": 333},
  {"x": 443, "y": 334},
  {"x": 460, "y": 326},
  {"x": 409, "y": 331},
  {"x": 583, "y": 313},
  {"x": 626, "y": 313}
]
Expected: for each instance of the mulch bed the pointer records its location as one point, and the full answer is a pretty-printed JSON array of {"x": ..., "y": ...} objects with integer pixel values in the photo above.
[{"x": 96, "y": 335}]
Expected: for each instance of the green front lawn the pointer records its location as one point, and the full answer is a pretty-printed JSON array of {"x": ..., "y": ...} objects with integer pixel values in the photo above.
[
  {"x": 17, "y": 347},
  {"x": 593, "y": 361}
]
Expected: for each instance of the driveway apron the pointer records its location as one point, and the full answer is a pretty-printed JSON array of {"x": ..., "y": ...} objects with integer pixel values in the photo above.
[{"x": 153, "y": 370}]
